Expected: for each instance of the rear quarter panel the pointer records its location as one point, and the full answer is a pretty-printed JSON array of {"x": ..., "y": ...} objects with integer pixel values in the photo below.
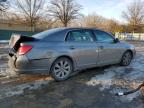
[{"x": 49, "y": 50}]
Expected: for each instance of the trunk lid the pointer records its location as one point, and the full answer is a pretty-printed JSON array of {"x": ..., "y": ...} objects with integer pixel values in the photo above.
[{"x": 17, "y": 39}]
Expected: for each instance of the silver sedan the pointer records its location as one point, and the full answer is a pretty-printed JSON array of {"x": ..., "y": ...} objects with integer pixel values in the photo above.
[{"x": 62, "y": 51}]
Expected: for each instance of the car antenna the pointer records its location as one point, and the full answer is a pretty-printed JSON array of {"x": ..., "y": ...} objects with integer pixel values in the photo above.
[{"x": 131, "y": 91}]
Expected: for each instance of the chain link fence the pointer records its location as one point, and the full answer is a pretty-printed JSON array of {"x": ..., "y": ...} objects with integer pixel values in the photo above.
[{"x": 130, "y": 36}]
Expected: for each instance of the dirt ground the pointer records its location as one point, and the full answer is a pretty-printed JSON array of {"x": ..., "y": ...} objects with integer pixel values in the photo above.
[{"x": 93, "y": 88}]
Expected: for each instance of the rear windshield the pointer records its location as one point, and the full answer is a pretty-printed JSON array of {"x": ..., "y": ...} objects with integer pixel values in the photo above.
[{"x": 47, "y": 33}]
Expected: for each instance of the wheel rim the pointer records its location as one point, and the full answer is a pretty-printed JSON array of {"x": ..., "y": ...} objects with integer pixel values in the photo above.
[
  {"x": 62, "y": 69},
  {"x": 127, "y": 59}
]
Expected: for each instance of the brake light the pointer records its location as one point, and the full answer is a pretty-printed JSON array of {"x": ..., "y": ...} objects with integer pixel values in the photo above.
[{"x": 24, "y": 49}]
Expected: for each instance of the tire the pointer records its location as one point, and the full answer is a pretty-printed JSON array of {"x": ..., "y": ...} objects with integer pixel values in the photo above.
[
  {"x": 61, "y": 69},
  {"x": 126, "y": 58}
]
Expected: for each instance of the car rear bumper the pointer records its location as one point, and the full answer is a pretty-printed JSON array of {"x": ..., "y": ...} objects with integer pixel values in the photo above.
[{"x": 23, "y": 65}]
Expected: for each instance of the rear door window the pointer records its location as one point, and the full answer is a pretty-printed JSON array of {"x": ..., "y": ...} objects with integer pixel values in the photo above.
[
  {"x": 87, "y": 36},
  {"x": 80, "y": 36},
  {"x": 74, "y": 36}
]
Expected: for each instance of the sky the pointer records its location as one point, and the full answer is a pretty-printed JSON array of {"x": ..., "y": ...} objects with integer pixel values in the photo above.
[
  {"x": 107, "y": 8},
  {"x": 111, "y": 9}
]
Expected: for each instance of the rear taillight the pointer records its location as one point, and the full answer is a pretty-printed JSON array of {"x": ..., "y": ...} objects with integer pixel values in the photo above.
[{"x": 24, "y": 49}]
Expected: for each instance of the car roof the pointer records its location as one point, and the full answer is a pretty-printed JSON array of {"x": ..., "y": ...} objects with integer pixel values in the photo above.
[
  {"x": 59, "y": 34},
  {"x": 75, "y": 28}
]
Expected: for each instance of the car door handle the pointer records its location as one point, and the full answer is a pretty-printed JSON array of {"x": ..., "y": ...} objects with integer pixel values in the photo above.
[
  {"x": 72, "y": 47},
  {"x": 101, "y": 47}
]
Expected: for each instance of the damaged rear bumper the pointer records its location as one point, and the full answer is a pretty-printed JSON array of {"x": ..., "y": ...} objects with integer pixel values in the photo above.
[{"x": 22, "y": 65}]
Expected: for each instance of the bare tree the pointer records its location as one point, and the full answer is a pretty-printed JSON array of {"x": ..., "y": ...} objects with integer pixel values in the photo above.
[
  {"x": 114, "y": 26},
  {"x": 64, "y": 10},
  {"x": 134, "y": 14},
  {"x": 3, "y": 8},
  {"x": 3, "y": 5},
  {"x": 31, "y": 10},
  {"x": 94, "y": 20}
]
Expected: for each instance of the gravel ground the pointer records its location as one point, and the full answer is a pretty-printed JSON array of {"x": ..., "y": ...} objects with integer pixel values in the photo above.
[{"x": 94, "y": 88}]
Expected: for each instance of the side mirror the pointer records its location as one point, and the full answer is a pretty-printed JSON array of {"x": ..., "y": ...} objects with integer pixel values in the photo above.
[{"x": 116, "y": 40}]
